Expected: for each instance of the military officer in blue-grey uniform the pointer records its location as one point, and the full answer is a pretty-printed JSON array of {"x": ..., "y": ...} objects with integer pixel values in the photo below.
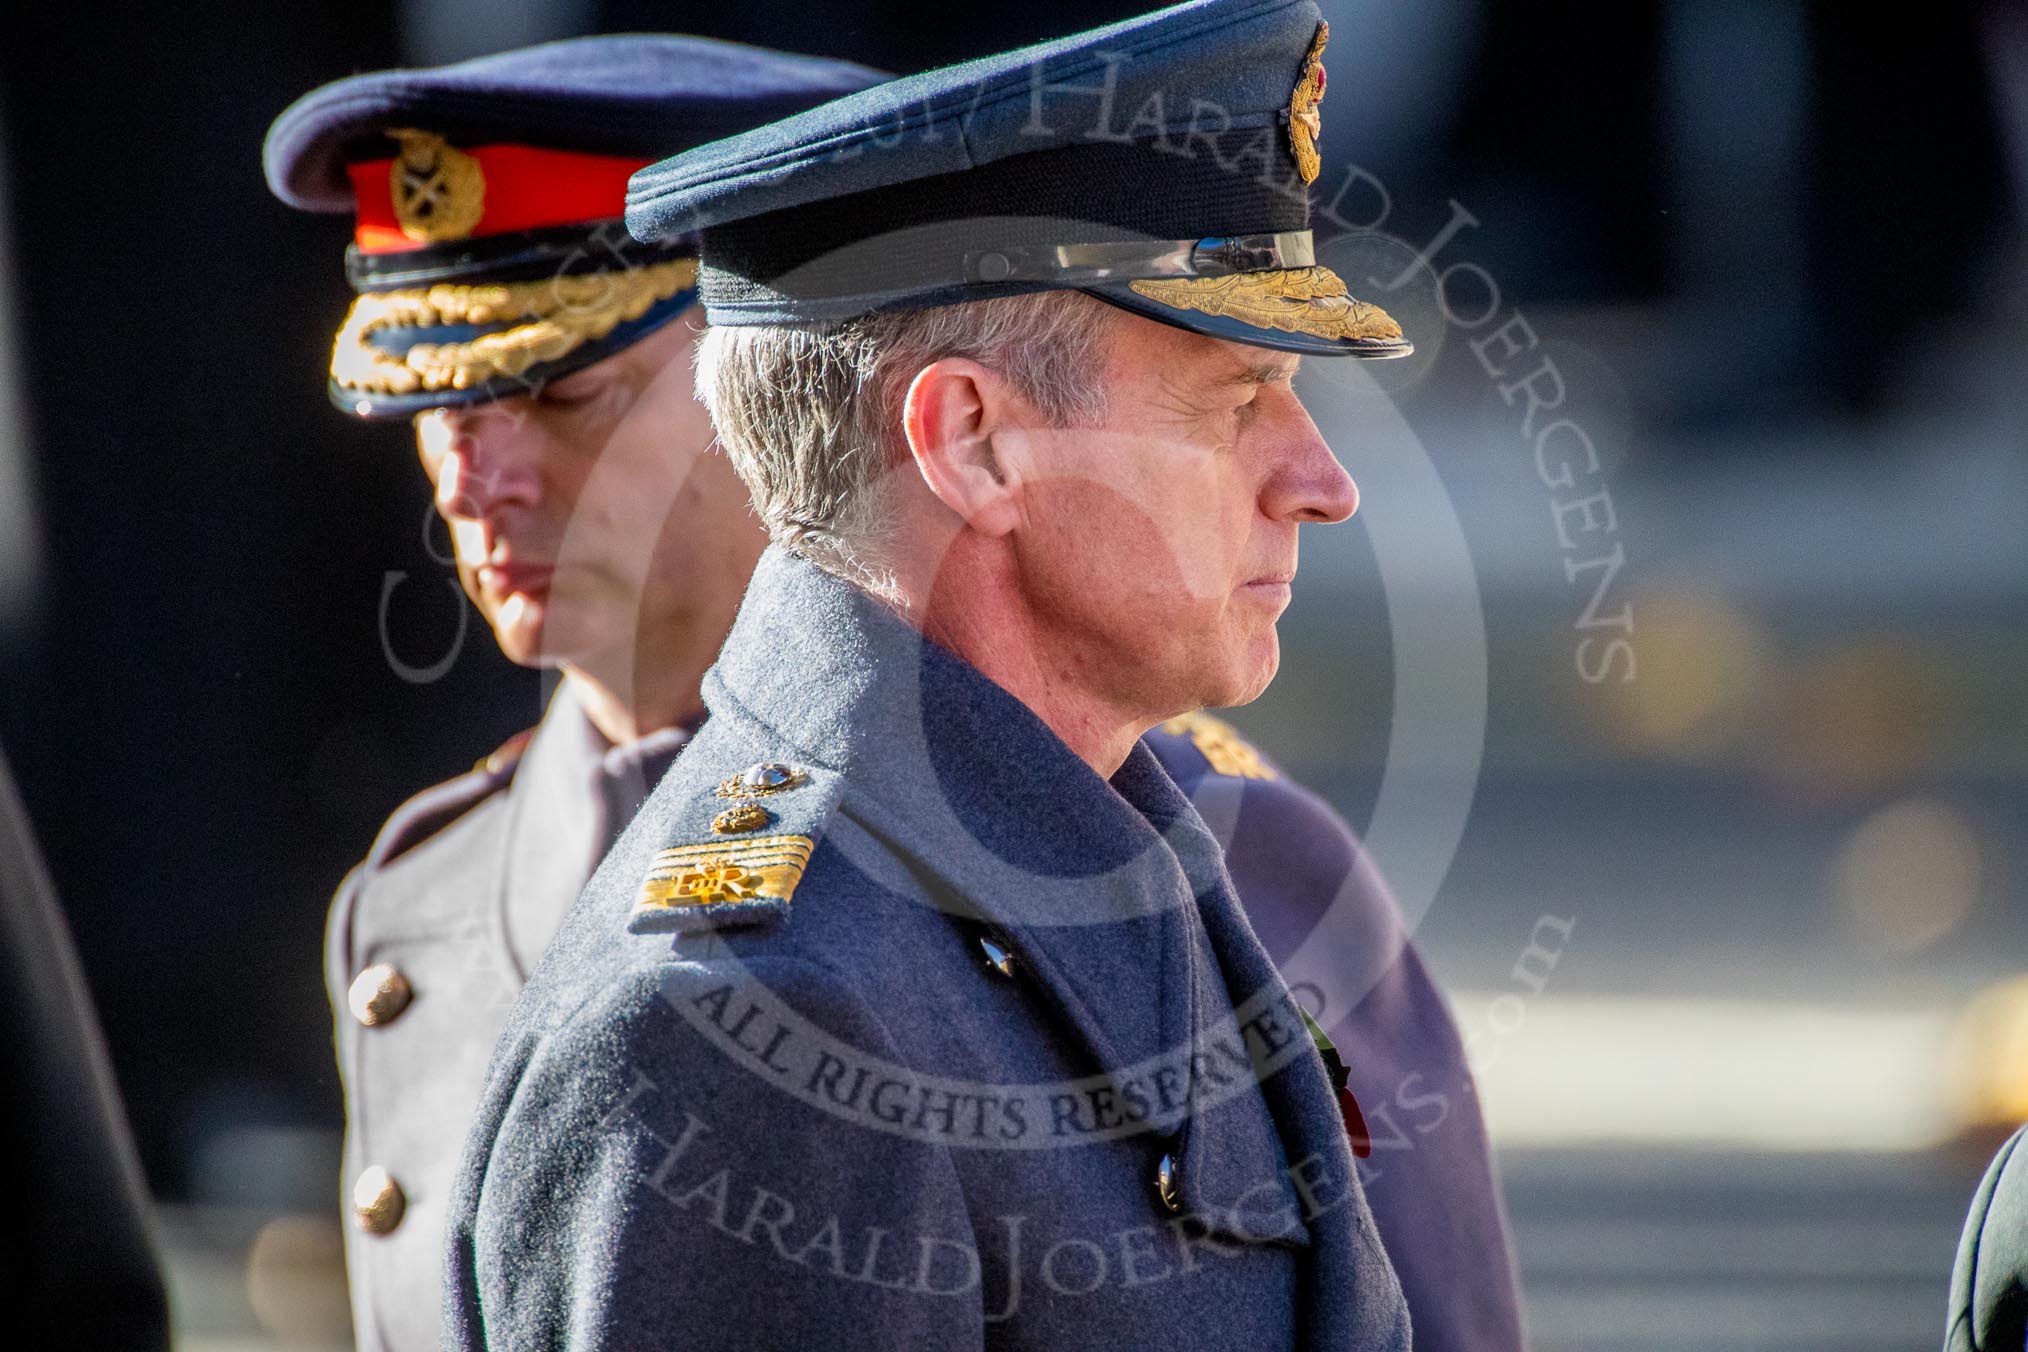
[
  {"x": 480, "y": 868},
  {"x": 544, "y": 357},
  {"x": 917, "y": 1007},
  {"x": 1988, "y": 1308}
]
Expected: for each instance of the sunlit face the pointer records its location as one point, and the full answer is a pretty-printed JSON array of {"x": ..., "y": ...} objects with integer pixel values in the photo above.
[
  {"x": 1160, "y": 547},
  {"x": 587, "y": 518}
]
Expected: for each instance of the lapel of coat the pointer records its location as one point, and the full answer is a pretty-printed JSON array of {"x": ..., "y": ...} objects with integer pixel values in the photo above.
[
  {"x": 1348, "y": 1282},
  {"x": 997, "y": 820},
  {"x": 554, "y": 832},
  {"x": 1112, "y": 896}
]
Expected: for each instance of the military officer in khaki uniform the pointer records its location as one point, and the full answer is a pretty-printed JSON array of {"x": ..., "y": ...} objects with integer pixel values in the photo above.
[{"x": 545, "y": 360}]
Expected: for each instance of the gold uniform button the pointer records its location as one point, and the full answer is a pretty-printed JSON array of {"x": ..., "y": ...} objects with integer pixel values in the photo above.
[
  {"x": 379, "y": 994},
  {"x": 1165, "y": 1183},
  {"x": 377, "y": 1201}
]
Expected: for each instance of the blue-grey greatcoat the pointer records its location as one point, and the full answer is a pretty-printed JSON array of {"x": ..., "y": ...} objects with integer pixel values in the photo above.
[
  {"x": 1988, "y": 1308},
  {"x": 469, "y": 880},
  {"x": 957, "y": 1046},
  {"x": 1305, "y": 879}
]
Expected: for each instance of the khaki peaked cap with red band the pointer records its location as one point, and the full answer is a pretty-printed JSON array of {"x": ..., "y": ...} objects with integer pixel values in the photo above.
[
  {"x": 488, "y": 249},
  {"x": 1162, "y": 164}
]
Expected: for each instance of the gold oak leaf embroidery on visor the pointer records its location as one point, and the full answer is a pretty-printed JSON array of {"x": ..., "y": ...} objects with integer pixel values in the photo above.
[
  {"x": 720, "y": 872},
  {"x": 1293, "y": 300},
  {"x": 557, "y": 316}
]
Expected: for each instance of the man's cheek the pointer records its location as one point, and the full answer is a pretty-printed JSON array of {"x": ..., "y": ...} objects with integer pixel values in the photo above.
[{"x": 1206, "y": 560}]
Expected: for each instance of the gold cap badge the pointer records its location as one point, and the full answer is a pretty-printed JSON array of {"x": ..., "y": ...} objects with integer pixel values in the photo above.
[
  {"x": 1305, "y": 123},
  {"x": 439, "y": 191}
]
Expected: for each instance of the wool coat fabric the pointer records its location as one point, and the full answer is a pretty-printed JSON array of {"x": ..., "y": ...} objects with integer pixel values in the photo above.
[
  {"x": 990, "y": 1057},
  {"x": 1988, "y": 1308}
]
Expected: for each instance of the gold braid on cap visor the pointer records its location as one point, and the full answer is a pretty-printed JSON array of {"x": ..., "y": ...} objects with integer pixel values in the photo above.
[
  {"x": 1293, "y": 300},
  {"x": 557, "y": 314}
]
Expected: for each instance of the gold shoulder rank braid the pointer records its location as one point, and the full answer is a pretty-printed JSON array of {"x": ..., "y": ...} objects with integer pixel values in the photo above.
[
  {"x": 1228, "y": 752},
  {"x": 717, "y": 872}
]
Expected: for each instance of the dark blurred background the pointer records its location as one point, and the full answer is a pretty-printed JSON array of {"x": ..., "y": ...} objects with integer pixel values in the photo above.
[{"x": 1777, "y": 252}]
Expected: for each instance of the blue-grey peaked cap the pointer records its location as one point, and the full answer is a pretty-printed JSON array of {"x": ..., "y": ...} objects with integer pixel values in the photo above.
[{"x": 1161, "y": 164}]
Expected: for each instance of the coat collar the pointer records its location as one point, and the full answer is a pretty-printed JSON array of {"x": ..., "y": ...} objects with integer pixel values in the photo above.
[
  {"x": 573, "y": 793},
  {"x": 926, "y": 739},
  {"x": 1112, "y": 894}
]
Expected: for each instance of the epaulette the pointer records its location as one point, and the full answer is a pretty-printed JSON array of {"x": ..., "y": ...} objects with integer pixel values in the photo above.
[
  {"x": 1222, "y": 747},
  {"x": 436, "y": 807},
  {"x": 739, "y": 847}
]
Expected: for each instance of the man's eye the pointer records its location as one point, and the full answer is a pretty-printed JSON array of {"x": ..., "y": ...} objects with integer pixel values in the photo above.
[{"x": 568, "y": 394}]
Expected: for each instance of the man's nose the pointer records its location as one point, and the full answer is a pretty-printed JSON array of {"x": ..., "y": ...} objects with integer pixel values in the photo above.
[
  {"x": 1306, "y": 482},
  {"x": 485, "y": 461}
]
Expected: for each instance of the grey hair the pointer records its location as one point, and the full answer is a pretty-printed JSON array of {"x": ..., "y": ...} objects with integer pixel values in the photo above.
[{"x": 811, "y": 415}]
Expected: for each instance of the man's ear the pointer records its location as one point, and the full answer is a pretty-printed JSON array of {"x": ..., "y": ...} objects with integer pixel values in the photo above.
[{"x": 955, "y": 412}]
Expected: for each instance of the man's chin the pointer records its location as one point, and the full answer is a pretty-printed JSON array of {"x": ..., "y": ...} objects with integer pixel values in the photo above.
[
  {"x": 1255, "y": 660},
  {"x": 549, "y": 637},
  {"x": 1245, "y": 668},
  {"x": 521, "y": 649},
  {"x": 522, "y": 629}
]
